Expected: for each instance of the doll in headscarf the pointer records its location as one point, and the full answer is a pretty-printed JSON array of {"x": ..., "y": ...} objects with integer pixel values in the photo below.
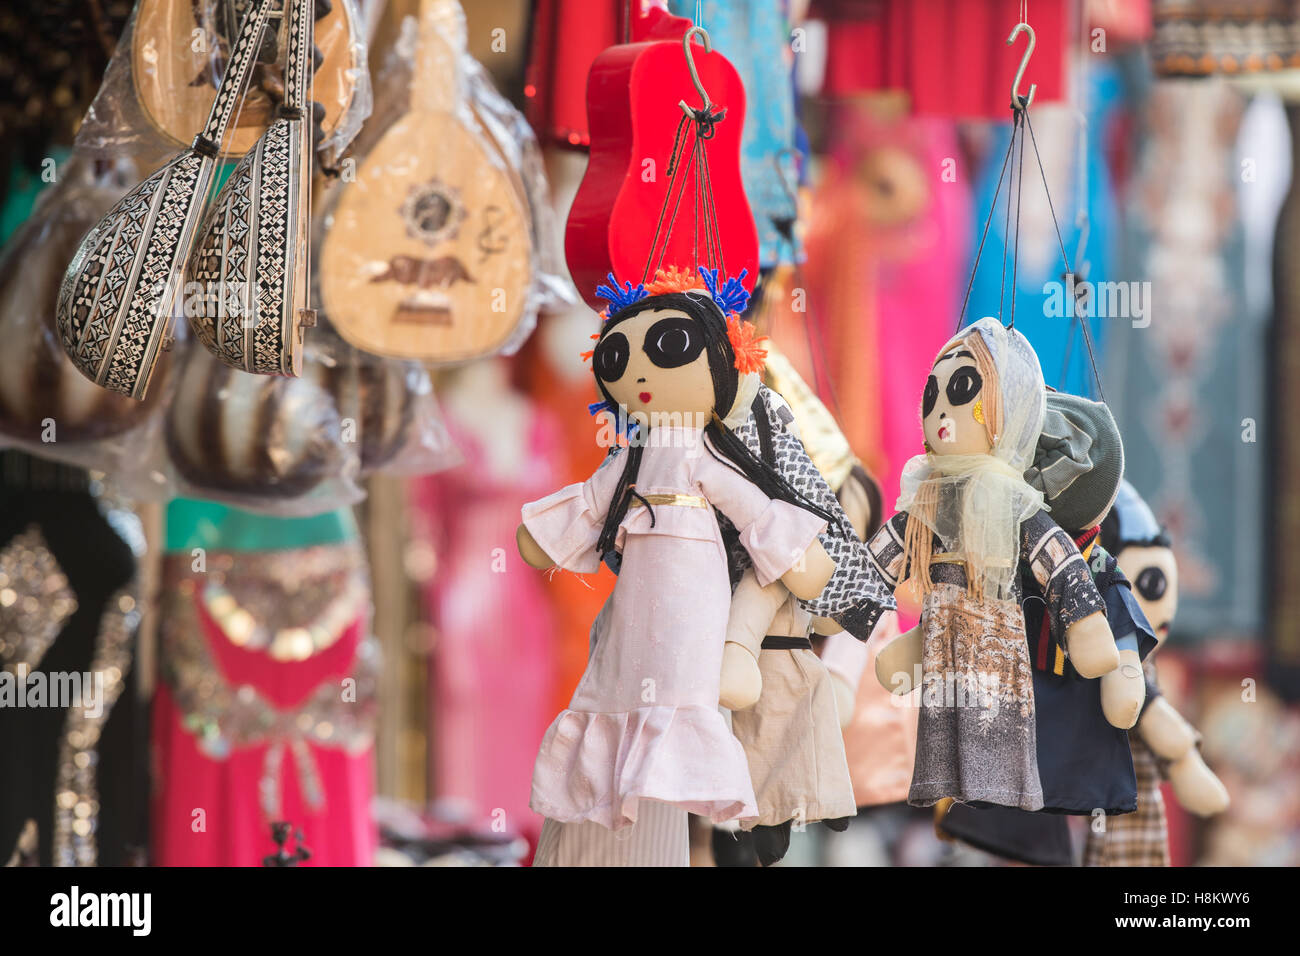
[
  {"x": 968, "y": 525},
  {"x": 643, "y": 741},
  {"x": 1164, "y": 744}
]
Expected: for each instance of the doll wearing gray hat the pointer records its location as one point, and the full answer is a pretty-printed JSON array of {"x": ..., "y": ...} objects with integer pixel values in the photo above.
[{"x": 1084, "y": 760}]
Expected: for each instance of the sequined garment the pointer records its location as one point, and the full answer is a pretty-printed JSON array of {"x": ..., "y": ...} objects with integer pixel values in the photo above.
[{"x": 277, "y": 592}]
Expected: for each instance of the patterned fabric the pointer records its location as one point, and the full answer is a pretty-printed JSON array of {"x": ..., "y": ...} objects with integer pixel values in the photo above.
[
  {"x": 1135, "y": 839},
  {"x": 856, "y": 595},
  {"x": 976, "y": 740}
]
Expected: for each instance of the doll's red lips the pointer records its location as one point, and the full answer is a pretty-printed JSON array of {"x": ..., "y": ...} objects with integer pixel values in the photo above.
[
  {"x": 943, "y": 433},
  {"x": 644, "y": 396}
]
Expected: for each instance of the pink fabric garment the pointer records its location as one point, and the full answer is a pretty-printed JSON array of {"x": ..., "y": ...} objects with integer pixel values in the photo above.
[
  {"x": 920, "y": 268},
  {"x": 493, "y": 665},
  {"x": 880, "y": 741},
  {"x": 233, "y": 829},
  {"x": 644, "y": 722}
]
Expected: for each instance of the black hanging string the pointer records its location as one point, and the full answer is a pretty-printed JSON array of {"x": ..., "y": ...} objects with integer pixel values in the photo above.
[
  {"x": 1016, "y": 176},
  {"x": 1083, "y": 323},
  {"x": 987, "y": 223},
  {"x": 1006, "y": 229},
  {"x": 702, "y": 123},
  {"x": 1020, "y": 191}
]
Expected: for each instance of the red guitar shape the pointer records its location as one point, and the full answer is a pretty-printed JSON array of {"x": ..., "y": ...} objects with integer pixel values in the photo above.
[{"x": 633, "y": 112}]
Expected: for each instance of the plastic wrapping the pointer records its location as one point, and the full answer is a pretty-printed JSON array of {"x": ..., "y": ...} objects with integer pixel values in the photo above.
[
  {"x": 442, "y": 248},
  {"x": 160, "y": 83},
  {"x": 386, "y": 406},
  {"x": 46, "y": 406},
  {"x": 263, "y": 443},
  {"x": 299, "y": 446}
]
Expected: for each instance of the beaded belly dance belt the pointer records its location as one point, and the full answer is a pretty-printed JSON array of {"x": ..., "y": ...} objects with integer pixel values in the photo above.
[{"x": 291, "y": 606}]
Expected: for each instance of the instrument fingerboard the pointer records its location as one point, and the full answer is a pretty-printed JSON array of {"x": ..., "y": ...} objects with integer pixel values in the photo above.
[
  {"x": 299, "y": 63},
  {"x": 236, "y": 76}
]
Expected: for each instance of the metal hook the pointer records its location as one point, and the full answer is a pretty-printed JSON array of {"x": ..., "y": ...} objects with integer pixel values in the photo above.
[
  {"x": 1019, "y": 102},
  {"x": 690, "y": 65}
]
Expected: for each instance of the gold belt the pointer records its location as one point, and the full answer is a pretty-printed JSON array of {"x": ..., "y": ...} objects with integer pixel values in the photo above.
[{"x": 685, "y": 501}]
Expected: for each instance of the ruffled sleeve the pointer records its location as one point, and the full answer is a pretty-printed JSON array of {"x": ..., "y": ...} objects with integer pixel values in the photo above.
[
  {"x": 775, "y": 533},
  {"x": 567, "y": 524}
]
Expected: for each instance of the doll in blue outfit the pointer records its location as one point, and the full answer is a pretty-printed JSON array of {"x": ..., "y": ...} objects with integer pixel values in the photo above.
[{"x": 1084, "y": 760}]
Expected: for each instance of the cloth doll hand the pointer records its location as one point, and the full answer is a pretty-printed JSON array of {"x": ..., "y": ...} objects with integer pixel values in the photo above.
[
  {"x": 530, "y": 550},
  {"x": 1091, "y": 646},
  {"x": 844, "y": 699},
  {"x": 742, "y": 683},
  {"x": 1196, "y": 786},
  {"x": 1165, "y": 731},
  {"x": 810, "y": 574},
  {"x": 1123, "y": 691},
  {"x": 898, "y": 664}
]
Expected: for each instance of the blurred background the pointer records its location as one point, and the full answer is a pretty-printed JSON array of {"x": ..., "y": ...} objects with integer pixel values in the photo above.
[{"x": 875, "y": 133}]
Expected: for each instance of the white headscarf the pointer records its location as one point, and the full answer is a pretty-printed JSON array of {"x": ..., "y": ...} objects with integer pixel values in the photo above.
[{"x": 982, "y": 499}]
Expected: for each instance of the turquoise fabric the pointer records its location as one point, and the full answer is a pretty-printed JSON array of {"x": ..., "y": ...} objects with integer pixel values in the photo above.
[{"x": 192, "y": 523}]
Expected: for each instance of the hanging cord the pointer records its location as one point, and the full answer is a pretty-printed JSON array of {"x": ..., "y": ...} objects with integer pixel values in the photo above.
[
  {"x": 987, "y": 223},
  {"x": 1087, "y": 333},
  {"x": 1020, "y": 190}
]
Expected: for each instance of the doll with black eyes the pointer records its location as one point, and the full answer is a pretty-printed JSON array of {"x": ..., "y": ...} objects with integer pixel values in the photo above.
[
  {"x": 643, "y": 742},
  {"x": 1163, "y": 744},
  {"x": 967, "y": 525}
]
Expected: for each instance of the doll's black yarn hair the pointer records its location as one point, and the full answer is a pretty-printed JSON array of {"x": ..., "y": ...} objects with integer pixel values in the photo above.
[{"x": 720, "y": 440}]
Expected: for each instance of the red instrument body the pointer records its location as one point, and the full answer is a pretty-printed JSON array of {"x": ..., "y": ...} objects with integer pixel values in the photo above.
[{"x": 633, "y": 90}]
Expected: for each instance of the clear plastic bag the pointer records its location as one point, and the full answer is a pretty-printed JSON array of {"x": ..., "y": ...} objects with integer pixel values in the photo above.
[
  {"x": 263, "y": 443},
  {"x": 386, "y": 406},
  {"x": 442, "y": 246},
  {"x": 47, "y": 407},
  {"x": 160, "y": 83}
]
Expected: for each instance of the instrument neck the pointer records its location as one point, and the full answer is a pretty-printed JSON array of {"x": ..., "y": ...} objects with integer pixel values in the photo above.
[
  {"x": 235, "y": 81},
  {"x": 436, "y": 82},
  {"x": 298, "y": 65}
]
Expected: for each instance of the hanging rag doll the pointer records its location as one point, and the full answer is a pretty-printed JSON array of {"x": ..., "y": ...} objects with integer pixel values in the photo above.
[
  {"x": 967, "y": 524},
  {"x": 1163, "y": 743},
  {"x": 643, "y": 742},
  {"x": 791, "y": 730},
  {"x": 1083, "y": 747}
]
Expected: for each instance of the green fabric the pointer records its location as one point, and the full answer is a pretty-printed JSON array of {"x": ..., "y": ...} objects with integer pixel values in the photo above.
[
  {"x": 192, "y": 523},
  {"x": 25, "y": 187}
]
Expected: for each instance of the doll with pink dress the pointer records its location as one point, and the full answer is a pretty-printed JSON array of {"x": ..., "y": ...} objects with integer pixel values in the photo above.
[{"x": 643, "y": 742}]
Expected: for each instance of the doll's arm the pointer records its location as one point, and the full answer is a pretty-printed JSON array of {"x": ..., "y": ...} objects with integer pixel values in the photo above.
[
  {"x": 845, "y": 658},
  {"x": 1074, "y": 604},
  {"x": 781, "y": 538},
  {"x": 562, "y": 529},
  {"x": 1172, "y": 738},
  {"x": 752, "y": 608},
  {"x": 1124, "y": 689}
]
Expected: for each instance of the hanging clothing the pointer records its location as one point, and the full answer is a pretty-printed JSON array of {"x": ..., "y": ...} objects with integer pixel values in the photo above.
[
  {"x": 949, "y": 56},
  {"x": 755, "y": 36},
  {"x": 266, "y": 707},
  {"x": 69, "y": 611},
  {"x": 493, "y": 664}
]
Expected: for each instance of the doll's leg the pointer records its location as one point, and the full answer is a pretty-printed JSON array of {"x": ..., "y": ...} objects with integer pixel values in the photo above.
[{"x": 658, "y": 838}]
